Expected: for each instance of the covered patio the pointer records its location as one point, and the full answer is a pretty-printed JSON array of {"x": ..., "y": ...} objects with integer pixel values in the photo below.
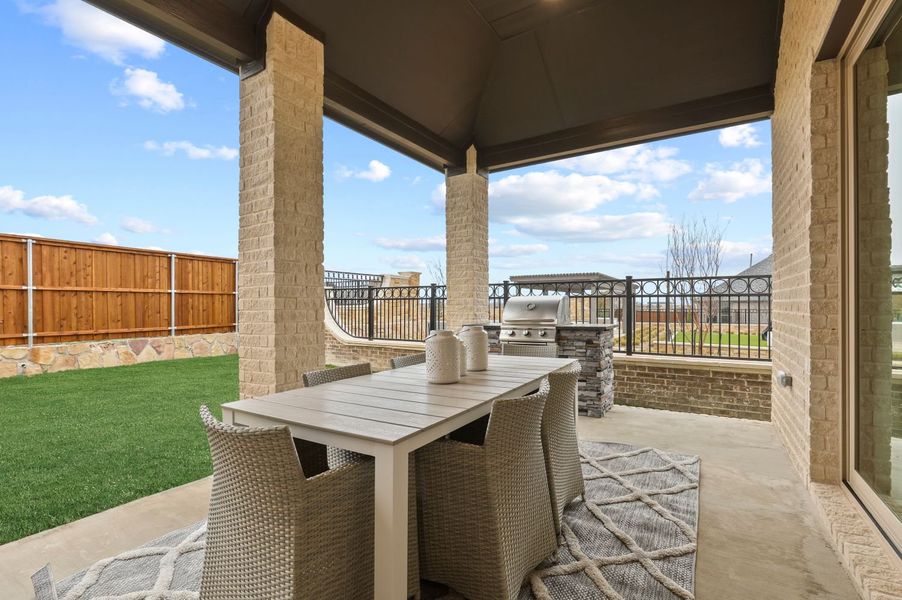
[{"x": 472, "y": 87}]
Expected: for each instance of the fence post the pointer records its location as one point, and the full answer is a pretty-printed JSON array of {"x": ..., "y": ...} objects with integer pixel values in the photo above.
[
  {"x": 29, "y": 259},
  {"x": 507, "y": 292},
  {"x": 432, "y": 309},
  {"x": 172, "y": 294},
  {"x": 371, "y": 317},
  {"x": 667, "y": 312},
  {"x": 630, "y": 315},
  {"x": 236, "y": 297}
]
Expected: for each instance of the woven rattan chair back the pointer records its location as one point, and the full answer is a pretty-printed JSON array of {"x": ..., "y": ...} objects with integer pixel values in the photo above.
[
  {"x": 518, "y": 485},
  {"x": 540, "y": 350},
  {"x": 559, "y": 440},
  {"x": 252, "y": 527},
  {"x": 312, "y": 378},
  {"x": 408, "y": 361}
]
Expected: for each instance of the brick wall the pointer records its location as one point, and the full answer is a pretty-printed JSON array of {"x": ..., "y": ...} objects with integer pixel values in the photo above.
[
  {"x": 378, "y": 353},
  {"x": 804, "y": 25},
  {"x": 728, "y": 389}
]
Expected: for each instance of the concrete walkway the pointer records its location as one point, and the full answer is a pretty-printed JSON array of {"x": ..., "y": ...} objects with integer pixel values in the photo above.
[
  {"x": 758, "y": 534},
  {"x": 72, "y": 547}
]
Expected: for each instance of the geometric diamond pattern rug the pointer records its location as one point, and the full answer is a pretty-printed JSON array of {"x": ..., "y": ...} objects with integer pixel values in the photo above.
[{"x": 633, "y": 537}]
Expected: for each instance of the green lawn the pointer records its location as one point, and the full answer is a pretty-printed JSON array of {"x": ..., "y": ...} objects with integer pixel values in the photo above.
[
  {"x": 75, "y": 443},
  {"x": 724, "y": 339}
]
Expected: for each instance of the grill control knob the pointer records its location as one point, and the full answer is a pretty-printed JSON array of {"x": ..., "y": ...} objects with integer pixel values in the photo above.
[
  {"x": 543, "y": 333},
  {"x": 526, "y": 333},
  {"x": 511, "y": 332}
]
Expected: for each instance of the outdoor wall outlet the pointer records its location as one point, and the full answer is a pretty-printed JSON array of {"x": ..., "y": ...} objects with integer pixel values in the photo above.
[{"x": 784, "y": 379}]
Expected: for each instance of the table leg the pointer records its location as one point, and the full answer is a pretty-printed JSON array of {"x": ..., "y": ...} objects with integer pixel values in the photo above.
[{"x": 391, "y": 525}]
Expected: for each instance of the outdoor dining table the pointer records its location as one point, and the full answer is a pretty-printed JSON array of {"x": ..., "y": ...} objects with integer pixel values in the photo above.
[{"x": 388, "y": 415}]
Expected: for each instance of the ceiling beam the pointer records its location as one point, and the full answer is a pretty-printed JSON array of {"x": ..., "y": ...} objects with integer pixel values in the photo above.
[
  {"x": 359, "y": 110},
  {"x": 697, "y": 115},
  {"x": 205, "y": 27}
]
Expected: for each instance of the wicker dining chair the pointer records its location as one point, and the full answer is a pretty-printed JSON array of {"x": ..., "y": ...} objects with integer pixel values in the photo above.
[
  {"x": 322, "y": 376},
  {"x": 541, "y": 350},
  {"x": 485, "y": 511},
  {"x": 408, "y": 361},
  {"x": 272, "y": 533},
  {"x": 335, "y": 457},
  {"x": 559, "y": 440}
]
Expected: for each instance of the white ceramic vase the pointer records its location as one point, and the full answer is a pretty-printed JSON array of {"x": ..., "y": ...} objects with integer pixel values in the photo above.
[
  {"x": 442, "y": 357},
  {"x": 476, "y": 339}
]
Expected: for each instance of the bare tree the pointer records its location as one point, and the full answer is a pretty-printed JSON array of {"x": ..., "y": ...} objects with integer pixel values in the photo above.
[
  {"x": 437, "y": 271},
  {"x": 694, "y": 250}
]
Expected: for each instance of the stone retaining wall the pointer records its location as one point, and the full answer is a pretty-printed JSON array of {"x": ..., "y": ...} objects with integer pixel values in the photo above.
[
  {"x": 52, "y": 358},
  {"x": 739, "y": 389}
]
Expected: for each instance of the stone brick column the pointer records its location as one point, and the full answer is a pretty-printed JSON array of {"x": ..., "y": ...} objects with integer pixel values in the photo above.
[
  {"x": 280, "y": 240},
  {"x": 467, "y": 236}
]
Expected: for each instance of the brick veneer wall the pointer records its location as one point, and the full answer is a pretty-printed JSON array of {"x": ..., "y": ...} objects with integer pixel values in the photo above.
[
  {"x": 377, "y": 353},
  {"x": 728, "y": 389},
  {"x": 804, "y": 25}
]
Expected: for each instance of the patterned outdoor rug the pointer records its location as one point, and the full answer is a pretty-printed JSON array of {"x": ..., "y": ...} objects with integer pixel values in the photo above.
[{"x": 634, "y": 538}]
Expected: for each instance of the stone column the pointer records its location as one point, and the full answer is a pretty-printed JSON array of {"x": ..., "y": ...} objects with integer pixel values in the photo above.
[
  {"x": 280, "y": 240},
  {"x": 467, "y": 236}
]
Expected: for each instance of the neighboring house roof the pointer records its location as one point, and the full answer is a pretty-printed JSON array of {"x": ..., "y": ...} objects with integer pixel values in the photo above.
[
  {"x": 561, "y": 277},
  {"x": 762, "y": 267}
]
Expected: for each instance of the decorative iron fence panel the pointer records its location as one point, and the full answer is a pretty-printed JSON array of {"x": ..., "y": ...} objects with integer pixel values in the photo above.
[{"x": 722, "y": 317}]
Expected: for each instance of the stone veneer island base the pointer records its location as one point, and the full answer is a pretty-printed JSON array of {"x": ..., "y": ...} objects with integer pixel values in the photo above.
[{"x": 593, "y": 345}]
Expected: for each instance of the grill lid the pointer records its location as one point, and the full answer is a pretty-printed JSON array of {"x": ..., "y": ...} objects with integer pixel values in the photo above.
[{"x": 546, "y": 310}]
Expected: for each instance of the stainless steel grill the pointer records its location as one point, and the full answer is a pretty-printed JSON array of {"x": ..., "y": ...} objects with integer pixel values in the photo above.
[{"x": 533, "y": 320}]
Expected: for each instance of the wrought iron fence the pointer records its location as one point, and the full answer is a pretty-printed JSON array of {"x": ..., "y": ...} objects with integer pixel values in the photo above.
[{"x": 722, "y": 317}]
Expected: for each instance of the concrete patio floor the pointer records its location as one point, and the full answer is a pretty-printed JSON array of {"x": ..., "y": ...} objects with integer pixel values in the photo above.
[{"x": 758, "y": 534}]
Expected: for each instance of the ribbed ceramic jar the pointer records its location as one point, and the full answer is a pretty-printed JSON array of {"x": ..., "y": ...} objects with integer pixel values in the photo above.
[
  {"x": 442, "y": 357},
  {"x": 476, "y": 339},
  {"x": 462, "y": 349}
]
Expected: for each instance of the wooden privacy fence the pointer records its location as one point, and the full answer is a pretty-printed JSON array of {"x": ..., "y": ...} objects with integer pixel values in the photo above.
[{"x": 59, "y": 291}]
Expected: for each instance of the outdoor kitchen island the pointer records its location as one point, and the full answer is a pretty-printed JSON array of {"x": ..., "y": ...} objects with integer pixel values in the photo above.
[{"x": 593, "y": 346}]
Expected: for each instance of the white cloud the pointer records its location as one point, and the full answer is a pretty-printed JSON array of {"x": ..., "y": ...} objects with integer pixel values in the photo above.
[
  {"x": 192, "y": 151},
  {"x": 52, "y": 208},
  {"x": 107, "y": 238},
  {"x": 137, "y": 225},
  {"x": 435, "y": 242},
  {"x": 407, "y": 262},
  {"x": 377, "y": 171},
  {"x": 513, "y": 250},
  {"x": 154, "y": 248},
  {"x": 739, "y": 135},
  {"x": 639, "y": 162},
  {"x": 571, "y": 227},
  {"x": 749, "y": 177},
  {"x": 151, "y": 93},
  {"x": 550, "y": 193},
  {"x": 98, "y": 32}
]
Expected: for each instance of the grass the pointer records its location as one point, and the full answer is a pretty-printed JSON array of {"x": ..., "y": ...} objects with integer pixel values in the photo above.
[
  {"x": 73, "y": 444},
  {"x": 724, "y": 339}
]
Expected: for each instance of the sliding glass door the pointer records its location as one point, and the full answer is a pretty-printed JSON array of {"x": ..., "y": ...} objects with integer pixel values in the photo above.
[{"x": 874, "y": 97}]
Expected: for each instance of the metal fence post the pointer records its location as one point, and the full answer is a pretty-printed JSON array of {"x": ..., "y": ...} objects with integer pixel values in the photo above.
[
  {"x": 432, "y": 309},
  {"x": 29, "y": 258},
  {"x": 172, "y": 294},
  {"x": 371, "y": 317},
  {"x": 507, "y": 292},
  {"x": 630, "y": 314}
]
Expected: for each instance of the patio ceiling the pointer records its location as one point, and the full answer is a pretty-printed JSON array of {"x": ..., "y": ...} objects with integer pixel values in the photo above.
[{"x": 523, "y": 80}]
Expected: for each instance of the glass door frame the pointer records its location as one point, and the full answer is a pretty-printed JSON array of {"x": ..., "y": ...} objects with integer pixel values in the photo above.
[{"x": 867, "y": 25}]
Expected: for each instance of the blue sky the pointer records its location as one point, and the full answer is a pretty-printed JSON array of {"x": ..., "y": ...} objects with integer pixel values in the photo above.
[{"x": 111, "y": 135}]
